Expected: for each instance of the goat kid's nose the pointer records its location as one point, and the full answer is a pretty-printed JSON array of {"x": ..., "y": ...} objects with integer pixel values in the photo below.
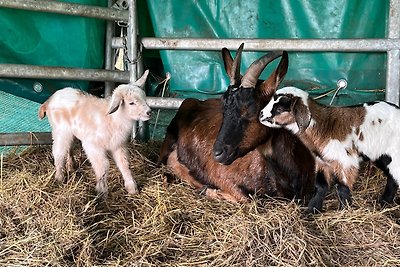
[
  {"x": 148, "y": 113},
  {"x": 262, "y": 117}
]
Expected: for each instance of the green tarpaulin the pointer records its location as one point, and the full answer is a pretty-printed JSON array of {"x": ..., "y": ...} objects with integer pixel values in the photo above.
[
  {"x": 47, "y": 39},
  {"x": 199, "y": 72},
  {"x": 60, "y": 40}
]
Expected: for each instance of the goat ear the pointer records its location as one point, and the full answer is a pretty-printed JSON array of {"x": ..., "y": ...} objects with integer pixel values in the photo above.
[
  {"x": 232, "y": 66},
  {"x": 116, "y": 101},
  {"x": 269, "y": 86},
  {"x": 301, "y": 114},
  {"x": 142, "y": 80}
]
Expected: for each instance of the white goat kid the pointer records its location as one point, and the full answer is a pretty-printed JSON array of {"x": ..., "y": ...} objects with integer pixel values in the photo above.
[
  {"x": 101, "y": 124},
  {"x": 340, "y": 137}
]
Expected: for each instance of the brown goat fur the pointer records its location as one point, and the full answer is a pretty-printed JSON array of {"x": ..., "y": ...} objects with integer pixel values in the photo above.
[{"x": 187, "y": 150}]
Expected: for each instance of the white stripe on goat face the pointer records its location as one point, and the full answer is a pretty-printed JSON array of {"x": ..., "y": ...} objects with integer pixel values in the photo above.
[{"x": 266, "y": 113}]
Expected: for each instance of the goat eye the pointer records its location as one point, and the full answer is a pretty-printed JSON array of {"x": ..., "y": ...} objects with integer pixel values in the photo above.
[
  {"x": 132, "y": 103},
  {"x": 280, "y": 109}
]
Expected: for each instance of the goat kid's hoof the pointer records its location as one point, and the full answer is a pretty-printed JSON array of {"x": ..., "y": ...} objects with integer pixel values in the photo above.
[
  {"x": 345, "y": 205},
  {"x": 310, "y": 211},
  {"x": 131, "y": 188},
  {"x": 101, "y": 189},
  {"x": 385, "y": 203},
  {"x": 60, "y": 178}
]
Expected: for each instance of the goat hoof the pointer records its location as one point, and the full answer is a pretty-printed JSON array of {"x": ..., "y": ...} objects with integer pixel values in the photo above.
[
  {"x": 59, "y": 178},
  {"x": 311, "y": 211},
  {"x": 101, "y": 188},
  {"x": 306, "y": 214},
  {"x": 131, "y": 188},
  {"x": 385, "y": 202},
  {"x": 345, "y": 205}
]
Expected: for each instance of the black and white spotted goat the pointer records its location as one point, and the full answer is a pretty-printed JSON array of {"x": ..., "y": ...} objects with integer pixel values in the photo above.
[{"x": 340, "y": 138}]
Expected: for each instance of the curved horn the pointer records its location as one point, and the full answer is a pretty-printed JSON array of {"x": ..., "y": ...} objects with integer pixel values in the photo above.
[
  {"x": 234, "y": 74},
  {"x": 252, "y": 74},
  {"x": 269, "y": 86}
]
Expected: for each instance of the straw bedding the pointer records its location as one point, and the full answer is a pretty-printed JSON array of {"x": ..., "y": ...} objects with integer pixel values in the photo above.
[{"x": 44, "y": 223}]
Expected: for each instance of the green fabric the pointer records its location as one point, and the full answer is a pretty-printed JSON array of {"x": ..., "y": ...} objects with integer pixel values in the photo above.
[
  {"x": 46, "y": 39},
  {"x": 202, "y": 72}
]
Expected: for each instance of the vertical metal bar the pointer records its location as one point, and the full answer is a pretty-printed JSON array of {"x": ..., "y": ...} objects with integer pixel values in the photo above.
[
  {"x": 132, "y": 40},
  {"x": 143, "y": 126},
  {"x": 109, "y": 53},
  {"x": 393, "y": 56},
  {"x": 132, "y": 49}
]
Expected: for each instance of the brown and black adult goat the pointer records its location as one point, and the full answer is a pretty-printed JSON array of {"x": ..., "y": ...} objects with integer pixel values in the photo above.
[{"x": 247, "y": 158}]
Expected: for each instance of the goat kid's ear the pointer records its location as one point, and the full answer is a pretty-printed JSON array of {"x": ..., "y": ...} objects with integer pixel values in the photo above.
[
  {"x": 301, "y": 114},
  {"x": 269, "y": 86},
  {"x": 116, "y": 101},
  {"x": 142, "y": 80}
]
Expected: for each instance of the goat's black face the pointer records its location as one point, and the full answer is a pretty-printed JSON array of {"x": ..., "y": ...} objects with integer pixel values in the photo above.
[{"x": 239, "y": 110}]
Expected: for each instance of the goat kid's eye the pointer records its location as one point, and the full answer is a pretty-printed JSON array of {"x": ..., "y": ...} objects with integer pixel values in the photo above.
[
  {"x": 132, "y": 103},
  {"x": 280, "y": 109}
]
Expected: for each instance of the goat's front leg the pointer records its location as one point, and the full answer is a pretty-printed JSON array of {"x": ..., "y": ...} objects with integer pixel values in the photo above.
[
  {"x": 321, "y": 190},
  {"x": 391, "y": 168},
  {"x": 344, "y": 195},
  {"x": 121, "y": 156},
  {"x": 390, "y": 191},
  {"x": 345, "y": 185}
]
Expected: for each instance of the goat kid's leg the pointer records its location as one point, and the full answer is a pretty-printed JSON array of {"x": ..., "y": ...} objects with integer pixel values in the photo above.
[
  {"x": 344, "y": 195},
  {"x": 62, "y": 142},
  {"x": 391, "y": 168},
  {"x": 70, "y": 164},
  {"x": 321, "y": 190},
  {"x": 100, "y": 164},
  {"x": 389, "y": 192},
  {"x": 121, "y": 157}
]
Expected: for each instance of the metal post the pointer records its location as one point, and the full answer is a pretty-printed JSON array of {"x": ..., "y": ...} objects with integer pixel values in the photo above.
[
  {"x": 141, "y": 129},
  {"x": 132, "y": 41},
  {"x": 131, "y": 46},
  {"x": 393, "y": 56},
  {"x": 109, "y": 53}
]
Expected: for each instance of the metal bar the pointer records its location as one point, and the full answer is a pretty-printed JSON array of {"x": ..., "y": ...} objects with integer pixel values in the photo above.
[
  {"x": 164, "y": 103},
  {"x": 45, "y": 72},
  {"x": 393, "y": 55},
  {"x": 27, "y": 138},
  {"x": 132, "y": 41},
  {"x": 67, "y": 9},
  {"x": 323, "y": 45},
  {"x": 109, "y": 53}
]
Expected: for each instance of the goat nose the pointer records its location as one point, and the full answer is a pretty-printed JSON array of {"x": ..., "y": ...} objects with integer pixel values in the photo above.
[
  {"x": 218, "y": 152},
  {"x": 148, "y": 113},
  {"x": 221, "y": 152}
]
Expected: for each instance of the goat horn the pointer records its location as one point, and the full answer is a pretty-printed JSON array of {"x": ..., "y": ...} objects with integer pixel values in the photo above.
[
  {"x": 235, "y": 71},
  {"x": 252, "y": 74}
]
